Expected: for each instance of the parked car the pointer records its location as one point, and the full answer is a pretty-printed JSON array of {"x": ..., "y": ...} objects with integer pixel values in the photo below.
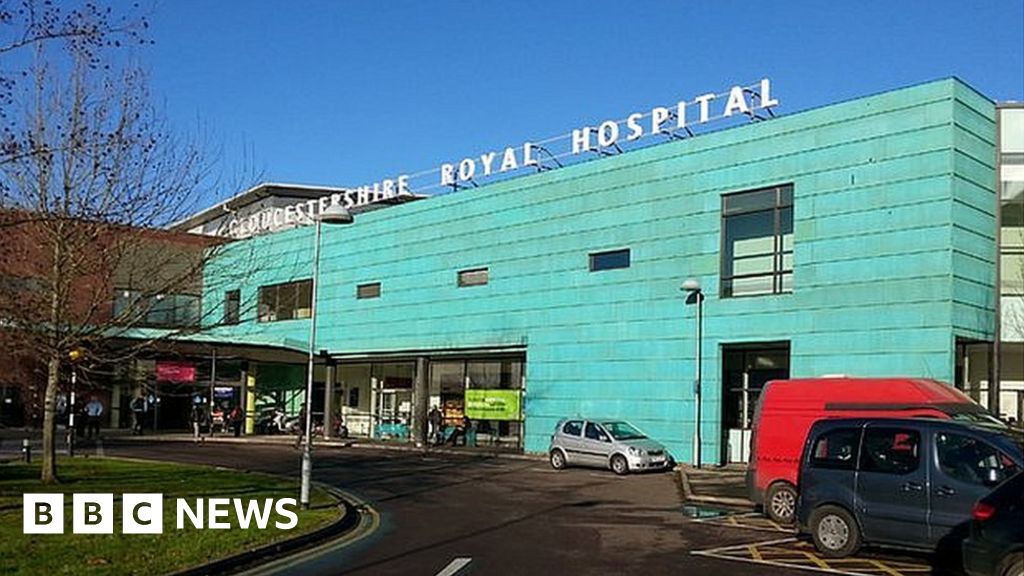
[
  {"x": 995, "y": 545},
  {"x": 605, "y": 444},
  {"x": 909, "y": 483},
  {"x": 787, "y": 408}
]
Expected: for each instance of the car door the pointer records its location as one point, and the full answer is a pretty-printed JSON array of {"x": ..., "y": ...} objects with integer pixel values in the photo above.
[
  {"x": 967, "y": 467},
  {"x": 569, "y": 438},
  {"x": 596, "y": 444},
  {"x": 892, "y": 486}
]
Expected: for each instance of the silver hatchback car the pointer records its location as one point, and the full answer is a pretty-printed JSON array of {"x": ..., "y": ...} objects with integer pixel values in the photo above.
[{"x": 605, "y": 444}]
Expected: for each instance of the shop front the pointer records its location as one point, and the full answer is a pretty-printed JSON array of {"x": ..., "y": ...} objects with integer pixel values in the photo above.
[{"x": 479, "y": 399}]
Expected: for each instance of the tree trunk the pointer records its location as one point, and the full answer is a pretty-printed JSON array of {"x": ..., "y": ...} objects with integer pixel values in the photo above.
[{"x": 49, "y": 473}]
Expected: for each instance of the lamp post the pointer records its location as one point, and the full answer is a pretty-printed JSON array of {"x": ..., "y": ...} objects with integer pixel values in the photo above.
[
  {"x": 692, "y": 287},
  {"x": 333, "y": 214}
]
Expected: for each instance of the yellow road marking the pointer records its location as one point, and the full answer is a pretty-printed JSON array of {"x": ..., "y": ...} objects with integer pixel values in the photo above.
[
  {"x": 814, "y": 558},
  {"x": 885, "y": 568},
  {"x": 754, "y": 552}
]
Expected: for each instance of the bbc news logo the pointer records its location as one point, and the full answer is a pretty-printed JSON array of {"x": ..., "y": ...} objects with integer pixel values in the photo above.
[{"x": 144, "y": 513}]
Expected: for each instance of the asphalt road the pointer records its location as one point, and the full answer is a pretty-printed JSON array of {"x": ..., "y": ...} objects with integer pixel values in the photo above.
[{"x": 510, "y": 516}]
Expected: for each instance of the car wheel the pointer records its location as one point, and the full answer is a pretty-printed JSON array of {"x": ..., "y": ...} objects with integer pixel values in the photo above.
[
  {"x": 1013, "y": 564},
  {"x": 557, "y": 459},
  {"x": 619, "y": 465},
  {"x": 835, "y": 532},
  {"x": 780, "y": 503}
]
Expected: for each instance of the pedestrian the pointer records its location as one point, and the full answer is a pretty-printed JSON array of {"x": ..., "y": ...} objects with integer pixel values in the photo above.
[
  {"x": 138, "y": 408},
  {"x": 434, "y": 419},
  {"x": 93, "y": 411},
  {"x": 237, "y": 418},
  {"x": 300, "y": 424},
  {"x": 198, "y": 419}
]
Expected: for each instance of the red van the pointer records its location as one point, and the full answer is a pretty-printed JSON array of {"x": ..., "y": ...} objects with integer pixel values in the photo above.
[{"x": 788, "y": 408}]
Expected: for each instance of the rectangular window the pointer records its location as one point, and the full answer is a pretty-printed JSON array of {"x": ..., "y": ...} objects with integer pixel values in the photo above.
[
  {"x": 890, "y": 451},
  {"x": 836, "y": 450},
  {"x": 232, "y": 306},
  {"x": 126, "y": 304},
  {"x": 609, "y": 260},
  {"x": 474, "y": 277},
  {"x": 287, "y": 301},
  {"x": 368, "y": 290},
  {"x": 160, "y": 310},
  {"x": 757, "y": 242}
]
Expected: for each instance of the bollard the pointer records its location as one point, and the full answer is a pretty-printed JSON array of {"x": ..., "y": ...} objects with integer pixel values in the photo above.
[{"x": 26, "y": 450}]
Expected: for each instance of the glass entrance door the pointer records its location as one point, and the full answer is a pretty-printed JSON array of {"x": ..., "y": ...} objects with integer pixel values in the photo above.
[{"x": 746, "y": 368}]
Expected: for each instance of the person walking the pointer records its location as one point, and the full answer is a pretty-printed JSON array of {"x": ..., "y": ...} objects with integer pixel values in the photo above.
[
  {"x": 300, "y": 426},
  {"x": 237, "y": 418},
  {"x": 138, "y": 408},
  {"x": 434, "y": 419},
  {"x": 93, "y": 411},
  {"x": 198, "y": 419}
]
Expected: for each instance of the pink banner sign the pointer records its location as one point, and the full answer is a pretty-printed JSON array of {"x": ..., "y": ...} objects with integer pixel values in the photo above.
[{"x": 175, "y": 372}]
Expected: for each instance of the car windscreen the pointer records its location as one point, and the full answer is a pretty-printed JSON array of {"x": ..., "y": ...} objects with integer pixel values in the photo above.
[{"x": 622, "y": 431}]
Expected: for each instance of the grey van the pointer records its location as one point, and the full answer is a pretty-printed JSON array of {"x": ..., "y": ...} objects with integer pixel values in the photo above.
[
  {"x": 908, "y": 483},
  {"x": 611, "y": 444}
]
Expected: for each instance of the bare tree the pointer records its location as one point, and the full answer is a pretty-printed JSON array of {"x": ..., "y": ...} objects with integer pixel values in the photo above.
[{"x": 91, "y": 175}]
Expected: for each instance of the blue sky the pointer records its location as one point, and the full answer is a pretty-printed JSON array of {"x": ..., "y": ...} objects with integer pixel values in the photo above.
[{"x": 347, "y": 93}]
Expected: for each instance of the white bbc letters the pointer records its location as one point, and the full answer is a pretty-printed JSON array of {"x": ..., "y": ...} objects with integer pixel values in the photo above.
[
  {"x": 43, "y": 514},
  {"x": 92, "y": 514},
  {"x": 142, "y": 514}
]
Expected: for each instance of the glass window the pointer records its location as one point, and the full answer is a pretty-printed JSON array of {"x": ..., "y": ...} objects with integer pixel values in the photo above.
[
  {"x": 971, "y": 460},
  {"x": 623, "y": 431},
  {"x": 232, "y": 306},
  {"x": 475, "y": 277},
  {"x": 609, "y": 260},
  {"x": 286, "y": 301},
  {"x": 593, "y": 432},
  {"x": 836, "y": 450},
  {"x": 890, "y": 450},
  {"x": 126, "y": 303},
  {"x": 368, "y": 290},
  {"x": 757, "y": 242},
  {"x": 572, "y": 428}
]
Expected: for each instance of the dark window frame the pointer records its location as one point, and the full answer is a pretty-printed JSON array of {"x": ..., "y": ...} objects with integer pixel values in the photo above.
[
  {"x": 232, "y": 307},
  {"x": 368, "y": 291},
  {"x": 783, "y": 200},
  {"x": 470, "y": 277},
  {"x": 609, "y": 260},
  {"x": 275, "y": 313},
  {"x": 170, "y": 310}
]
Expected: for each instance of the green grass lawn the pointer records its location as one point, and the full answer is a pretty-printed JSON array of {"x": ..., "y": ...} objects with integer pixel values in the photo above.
[{"x": 149, "y": 554}]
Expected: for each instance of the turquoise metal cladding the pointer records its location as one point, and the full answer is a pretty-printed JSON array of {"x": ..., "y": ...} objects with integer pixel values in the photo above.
[{"x": 893, "y": 232}]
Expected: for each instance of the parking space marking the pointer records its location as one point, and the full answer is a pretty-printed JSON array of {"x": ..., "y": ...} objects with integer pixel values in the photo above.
[
  {"x": 749, "y": 520},
  {"x": 795, "y": 553}
]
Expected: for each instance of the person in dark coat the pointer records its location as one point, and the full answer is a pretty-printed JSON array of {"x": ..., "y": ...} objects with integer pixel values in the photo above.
[{"x": 436, "y": 432}]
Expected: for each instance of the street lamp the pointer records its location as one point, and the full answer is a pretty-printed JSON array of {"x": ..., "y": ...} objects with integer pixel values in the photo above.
[
  {"x": 695, "y": 296},
  {"x": 333, "y": 214}
]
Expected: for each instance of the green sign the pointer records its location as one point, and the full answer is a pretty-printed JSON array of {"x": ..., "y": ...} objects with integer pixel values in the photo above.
[{"x": 492, "y": 404}]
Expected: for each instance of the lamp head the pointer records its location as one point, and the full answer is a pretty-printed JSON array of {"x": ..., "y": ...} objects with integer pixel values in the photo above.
[
  {"x": 691, "y": 285},
  {"x": 335, "y": 214}
]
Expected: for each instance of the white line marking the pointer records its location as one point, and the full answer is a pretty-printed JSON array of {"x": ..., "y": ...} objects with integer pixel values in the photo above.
[{"x": 455, "y": 567}]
